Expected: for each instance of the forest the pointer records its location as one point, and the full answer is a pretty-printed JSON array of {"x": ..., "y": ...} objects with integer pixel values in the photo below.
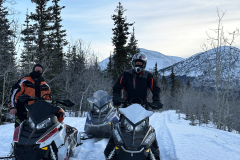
[{"x": 72, "y": 69}]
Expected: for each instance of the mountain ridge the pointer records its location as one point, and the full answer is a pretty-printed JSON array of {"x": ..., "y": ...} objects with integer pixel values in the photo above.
[{"x": 152, "y": 57}]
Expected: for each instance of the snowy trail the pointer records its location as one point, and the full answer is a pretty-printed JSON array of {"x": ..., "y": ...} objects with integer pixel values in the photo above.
[
  {"x": 91, "y": 149},
  {"x": 164, "y": 137},
  {"x": 176, "y": 138}
]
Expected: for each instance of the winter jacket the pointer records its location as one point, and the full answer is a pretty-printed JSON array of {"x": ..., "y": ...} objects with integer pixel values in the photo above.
[
  {"x": 32, "y": 87},
  {"x": 136, "y": 85}
]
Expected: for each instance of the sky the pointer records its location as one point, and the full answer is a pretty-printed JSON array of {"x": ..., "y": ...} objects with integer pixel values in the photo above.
[{"x": 171, "y": 27}]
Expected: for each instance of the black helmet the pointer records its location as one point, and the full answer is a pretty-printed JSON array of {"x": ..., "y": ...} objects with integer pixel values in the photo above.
[{"x": 141, "y": 58}]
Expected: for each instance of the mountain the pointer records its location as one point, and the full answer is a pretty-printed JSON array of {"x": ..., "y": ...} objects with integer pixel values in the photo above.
[
  {"x": 153, "y": 57},
  {"x": 227, "y": 60},
  {"x": 177, "y": 140}
]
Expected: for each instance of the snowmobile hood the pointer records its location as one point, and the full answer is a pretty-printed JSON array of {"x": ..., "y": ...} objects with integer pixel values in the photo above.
[
  {"x": 40, "y": 110},
  {"x": 135, "y": 113},
  {"x": 100, "y": 98}
]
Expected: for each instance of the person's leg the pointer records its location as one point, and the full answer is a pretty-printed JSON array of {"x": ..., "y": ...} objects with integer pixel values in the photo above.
[
  {"x": 109, "y": 148},
  {"x": 21, "y": 114},
  {"x": 155, "y": 150}
]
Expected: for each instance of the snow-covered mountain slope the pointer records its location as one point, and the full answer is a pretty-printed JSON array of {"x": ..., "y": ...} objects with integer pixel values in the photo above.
[
  {"x": 204, "y": 63},
  {"x": 153, "y": 57},
  {"x": 177, "y": 140}
]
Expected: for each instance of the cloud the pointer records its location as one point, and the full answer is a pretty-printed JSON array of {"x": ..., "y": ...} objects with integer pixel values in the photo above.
[{"x": 172, "y": 27}]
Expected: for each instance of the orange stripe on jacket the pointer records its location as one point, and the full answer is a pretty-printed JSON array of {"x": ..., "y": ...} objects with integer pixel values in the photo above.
[
  {"x": 121, "y": 79},
  {"x": 133, "y": 81},
  {"x": 152, "y": 85}
]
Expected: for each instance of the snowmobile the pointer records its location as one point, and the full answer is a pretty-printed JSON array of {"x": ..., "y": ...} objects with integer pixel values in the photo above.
[
  {"x": 100, "y": 117},
  {"x": 42, "y": 136},
  {"x": 133, "y": 138}
]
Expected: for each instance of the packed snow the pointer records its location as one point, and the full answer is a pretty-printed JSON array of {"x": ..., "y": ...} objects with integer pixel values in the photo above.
[{"x": 176, "y": 138}]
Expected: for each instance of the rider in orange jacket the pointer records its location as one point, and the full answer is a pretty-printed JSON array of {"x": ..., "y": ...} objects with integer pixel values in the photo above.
[{"x": 33, "y": 85}]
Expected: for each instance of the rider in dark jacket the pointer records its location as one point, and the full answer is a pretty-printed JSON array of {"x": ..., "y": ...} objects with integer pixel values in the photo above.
[{"x": 136, "y": 82}]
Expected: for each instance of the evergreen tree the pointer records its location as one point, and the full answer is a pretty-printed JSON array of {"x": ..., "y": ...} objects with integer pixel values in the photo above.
[
  {"x": 132, "y": 46},
  {"x": 7, "y": 56},
  {"x": 28, "y": 55},
  {"x": 57, "y": 37},
  {"x": 109, "y": 65},
  {"x": 164, "y": 83},
  {"x": 119, "y": 40},
  {"x": 49, "y": 41},
  {"x": 156, "y": 73},
  {"x": 173, "y": 82},
  {"x": 42, "y": 19}
]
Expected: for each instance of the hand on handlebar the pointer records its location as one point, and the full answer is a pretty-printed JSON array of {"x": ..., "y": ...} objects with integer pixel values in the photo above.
[
  {"x": 156, "y": 105},
  {"x": 117, "y": 101}
]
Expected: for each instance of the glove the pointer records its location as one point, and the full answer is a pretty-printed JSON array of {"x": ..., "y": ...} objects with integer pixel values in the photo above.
[
  {"x": 117, "y": 101},
  {"x": 156, "y": 105},
  {"x": 60, "y": 115}
]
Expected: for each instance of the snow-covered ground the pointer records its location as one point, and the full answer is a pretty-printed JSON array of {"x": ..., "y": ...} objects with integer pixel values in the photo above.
[{"x": 176, "y": 138}]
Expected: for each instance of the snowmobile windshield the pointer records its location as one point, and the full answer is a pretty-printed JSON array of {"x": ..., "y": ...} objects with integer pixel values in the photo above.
[
  {"x": 41, "y": 110},
  {"x": 135, "y": 113},
  {"x": 100, "y": 99}
]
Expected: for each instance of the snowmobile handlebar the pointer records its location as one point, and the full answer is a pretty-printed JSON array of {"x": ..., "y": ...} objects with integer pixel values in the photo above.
[
  {"x": 153, "y": 105},
  {"x": 26, "y": 98}
]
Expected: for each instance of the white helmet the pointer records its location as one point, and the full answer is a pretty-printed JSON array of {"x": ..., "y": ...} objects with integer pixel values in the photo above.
[{"x": 139, "y": 57}]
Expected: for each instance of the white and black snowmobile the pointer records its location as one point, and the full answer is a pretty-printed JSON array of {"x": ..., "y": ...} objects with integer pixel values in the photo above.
[
  {"x": 100, "y": 117},
  {"x": 42, "y": 136},
  {"x": 133, "y": 138}
]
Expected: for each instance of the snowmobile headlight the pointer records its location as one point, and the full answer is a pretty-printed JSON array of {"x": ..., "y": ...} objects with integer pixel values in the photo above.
[
  {"x": 31, "y": 123},
  {"x": 44, "y": 124},
  {"x": 104, "y": 108},
  {"x": 140, "y": 127},
  {"x": 117, "y": 136},
  {"x": 127, "y": 125},
  {"x": 95, "y": 109},
  {"x": 150, "y": 138}
]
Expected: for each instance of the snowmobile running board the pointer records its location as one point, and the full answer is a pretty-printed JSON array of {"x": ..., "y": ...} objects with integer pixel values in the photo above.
[{"x": 7, "y": 157}]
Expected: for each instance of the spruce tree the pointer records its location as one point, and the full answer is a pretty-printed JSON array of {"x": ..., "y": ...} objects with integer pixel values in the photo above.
[
  {"x": 119, "y": 40},
  {"x": 109, "y": 65},
  {"x": 42, "y": 27},
  {"x": 173, "y": 82},
  {"x": 28, "y": 55},
  {"x": 7, "y": 56},
  {"x": 164, "y": 83},
  {"x": 132, "y": 46},
  {"x": 57, "y": 37},
  {"x": 156, "y": 73}
]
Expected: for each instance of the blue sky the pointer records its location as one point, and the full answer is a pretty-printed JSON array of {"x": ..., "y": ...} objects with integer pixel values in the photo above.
[{"x": 172, "y": 27}]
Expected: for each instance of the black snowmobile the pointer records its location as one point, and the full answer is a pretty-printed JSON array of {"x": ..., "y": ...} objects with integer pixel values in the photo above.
[
  {"x": 133, "y": 138},
  {"x": 100, "y": 117},
  {"x": 42, "y": 136}
]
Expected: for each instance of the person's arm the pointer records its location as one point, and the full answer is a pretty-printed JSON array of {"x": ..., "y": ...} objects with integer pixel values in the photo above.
[
  {"x": 48, "y": 92},
  {"x": 16, "y": 91},
  {"x": 154, "y": 88},
  {"x": 117, "y": 87},
  {"x": 156, "y": 104}
]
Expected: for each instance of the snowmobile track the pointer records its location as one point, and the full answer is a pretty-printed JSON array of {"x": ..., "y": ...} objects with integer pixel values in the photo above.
[{"x": 164, "y": 137}]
